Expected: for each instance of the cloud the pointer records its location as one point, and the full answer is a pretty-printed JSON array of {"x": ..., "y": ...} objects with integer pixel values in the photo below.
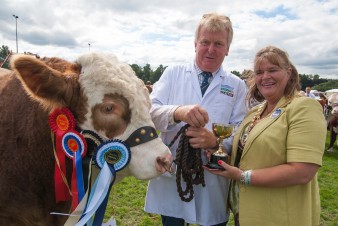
[
  {"x": 162, "y": 32},
  {"x": 57, "y": 39}
]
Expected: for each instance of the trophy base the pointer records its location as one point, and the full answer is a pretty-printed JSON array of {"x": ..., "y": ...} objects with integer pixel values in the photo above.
[{"x": 213, "y": 163}]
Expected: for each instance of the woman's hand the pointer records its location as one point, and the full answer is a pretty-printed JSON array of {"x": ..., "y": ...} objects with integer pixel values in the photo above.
[
  {"x": 229, "y": 172},
  {"x": 288, "y": 174}
]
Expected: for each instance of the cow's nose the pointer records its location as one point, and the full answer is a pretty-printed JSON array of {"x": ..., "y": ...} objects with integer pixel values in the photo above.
[{"x": 163, "y": 163}]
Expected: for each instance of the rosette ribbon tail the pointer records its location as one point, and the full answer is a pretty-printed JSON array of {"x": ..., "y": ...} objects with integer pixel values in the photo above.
[
  {"x": 110, "y": 156},
  {"x": 75, "y": 148},
  {"x": 97, "y": 197},
  {"x": 78, "y": 190},
  {"x": 62, "y": 191},
  {"x": 98, "y": 219},
  {"x": 60, "y": 121}
]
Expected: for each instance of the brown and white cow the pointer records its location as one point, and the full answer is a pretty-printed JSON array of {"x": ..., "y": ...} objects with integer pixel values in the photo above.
[
  {"x": 332, "y": 119},
  {"x": 104, "y": 96}
]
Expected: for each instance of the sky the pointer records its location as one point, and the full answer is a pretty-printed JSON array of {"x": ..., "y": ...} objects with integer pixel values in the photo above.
[{"x": 159, "y": 32}]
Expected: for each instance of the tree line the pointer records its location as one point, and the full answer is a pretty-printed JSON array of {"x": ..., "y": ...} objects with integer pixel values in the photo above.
[{"x": 146, "y": 73}]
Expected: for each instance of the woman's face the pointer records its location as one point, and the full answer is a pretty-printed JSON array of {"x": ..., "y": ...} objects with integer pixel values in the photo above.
[{"x": 271, "y": 80}]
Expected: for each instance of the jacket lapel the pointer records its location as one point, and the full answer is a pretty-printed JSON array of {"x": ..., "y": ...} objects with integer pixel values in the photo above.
[
  {"x": 264, "y": 124},
  {"x": 192, "y": 76}
]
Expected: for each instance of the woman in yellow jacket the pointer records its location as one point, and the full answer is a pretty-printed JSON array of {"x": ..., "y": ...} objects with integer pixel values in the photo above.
[{"x": 277, "y": 150}]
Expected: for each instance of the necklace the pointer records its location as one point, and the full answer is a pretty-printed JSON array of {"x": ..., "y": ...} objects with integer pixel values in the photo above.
[
  {"x": 247, "y": 129},
  {"x": 257, "y": 116}
]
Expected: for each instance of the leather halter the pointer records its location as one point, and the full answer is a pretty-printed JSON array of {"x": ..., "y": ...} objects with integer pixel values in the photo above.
[{"x": 141, "y": 135}]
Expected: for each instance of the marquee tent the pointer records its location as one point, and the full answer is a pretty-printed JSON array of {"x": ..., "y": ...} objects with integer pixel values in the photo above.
[{"x": 331, "y": 91}]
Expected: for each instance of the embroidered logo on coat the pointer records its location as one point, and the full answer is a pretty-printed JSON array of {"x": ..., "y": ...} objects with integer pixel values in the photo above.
[{"x": 227, "y": 90}]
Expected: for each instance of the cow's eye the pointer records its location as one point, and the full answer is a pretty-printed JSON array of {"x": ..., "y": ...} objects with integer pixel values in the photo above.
[{"x": 108, "y": 108}]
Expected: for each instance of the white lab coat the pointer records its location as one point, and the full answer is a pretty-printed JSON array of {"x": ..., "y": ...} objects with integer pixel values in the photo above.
[{"x": 225, "y": 102}]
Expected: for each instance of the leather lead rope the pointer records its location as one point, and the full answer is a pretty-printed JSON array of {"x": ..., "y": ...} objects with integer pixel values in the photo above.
[{"x": 189, "y": 166}]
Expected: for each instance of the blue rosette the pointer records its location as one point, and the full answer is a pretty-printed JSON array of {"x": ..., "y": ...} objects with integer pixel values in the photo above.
[
  {"x": 73, "y": 142},
  {"x": 110, "y": 156},
  {"x": 115, "y": 152},
  {"x": 75, "y": 147}
]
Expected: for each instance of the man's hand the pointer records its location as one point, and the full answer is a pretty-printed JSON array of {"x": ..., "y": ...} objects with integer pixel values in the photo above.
[
  {"x": 194, "y": 115},
  {"x": 201, "y": 137}
]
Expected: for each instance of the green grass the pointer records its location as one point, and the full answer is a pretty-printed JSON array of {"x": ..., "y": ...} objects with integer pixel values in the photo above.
[
  {"x": 328, "y": 182},
  {"x": 127, "y": 197},
  {"x": 126, "y": 204}
]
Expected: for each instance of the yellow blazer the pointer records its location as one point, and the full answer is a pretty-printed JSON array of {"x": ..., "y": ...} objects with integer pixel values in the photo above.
[{"x": 293, "y": 133}]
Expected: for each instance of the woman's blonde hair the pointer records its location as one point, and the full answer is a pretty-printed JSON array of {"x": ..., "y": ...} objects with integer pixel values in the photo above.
[{"x": 280, "y": 58}]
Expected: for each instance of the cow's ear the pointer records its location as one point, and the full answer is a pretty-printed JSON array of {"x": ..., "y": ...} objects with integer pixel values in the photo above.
[{"x": 41, "y": 82}]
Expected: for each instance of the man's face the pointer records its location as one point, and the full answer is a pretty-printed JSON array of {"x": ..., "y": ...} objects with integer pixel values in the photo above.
[
  {"x": 307, "y": 90},
  {"x": 211, "y": 48}
]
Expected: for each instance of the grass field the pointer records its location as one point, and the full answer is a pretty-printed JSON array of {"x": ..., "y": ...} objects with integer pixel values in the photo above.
[{"x": 127, "y": 197}]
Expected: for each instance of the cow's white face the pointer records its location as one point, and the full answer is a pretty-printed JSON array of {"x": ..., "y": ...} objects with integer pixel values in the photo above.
[
  {"x": 119, "y": 104},
  {"x": 106, "y": 96},
  {"x": 333, "y": 102}
]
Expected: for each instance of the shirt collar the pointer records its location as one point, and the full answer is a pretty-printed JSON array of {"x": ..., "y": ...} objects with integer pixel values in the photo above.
[{"x": 199, "y": 71}]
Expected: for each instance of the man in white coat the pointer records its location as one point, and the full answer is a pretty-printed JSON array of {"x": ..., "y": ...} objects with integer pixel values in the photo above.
[
  {"x": 308, "y": 92},
  {"x": 178, "y": 99}
]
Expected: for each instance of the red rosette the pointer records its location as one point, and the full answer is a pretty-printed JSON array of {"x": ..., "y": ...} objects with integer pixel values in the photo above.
[{"x": 61, "y": 120}]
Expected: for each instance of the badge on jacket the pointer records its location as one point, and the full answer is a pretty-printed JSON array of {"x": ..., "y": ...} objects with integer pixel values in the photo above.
[
  {"x": 276, "y": 113},
  {"x": 227, "y": 90}
]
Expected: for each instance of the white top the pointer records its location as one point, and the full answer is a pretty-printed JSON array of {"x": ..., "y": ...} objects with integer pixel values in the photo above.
[
  {"x": 310, "y": 95},
  {"x": 225, "y": 102}
]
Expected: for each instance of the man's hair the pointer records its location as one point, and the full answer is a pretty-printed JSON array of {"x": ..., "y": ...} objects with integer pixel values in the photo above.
[{"x": 215, "y": 22}]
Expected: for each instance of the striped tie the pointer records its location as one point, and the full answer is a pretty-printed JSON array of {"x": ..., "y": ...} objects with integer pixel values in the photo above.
[{"x": 205, "y": 82}]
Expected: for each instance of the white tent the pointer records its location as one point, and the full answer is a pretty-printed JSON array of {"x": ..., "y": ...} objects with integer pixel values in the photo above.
[{"x": 331, "y": 91}]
